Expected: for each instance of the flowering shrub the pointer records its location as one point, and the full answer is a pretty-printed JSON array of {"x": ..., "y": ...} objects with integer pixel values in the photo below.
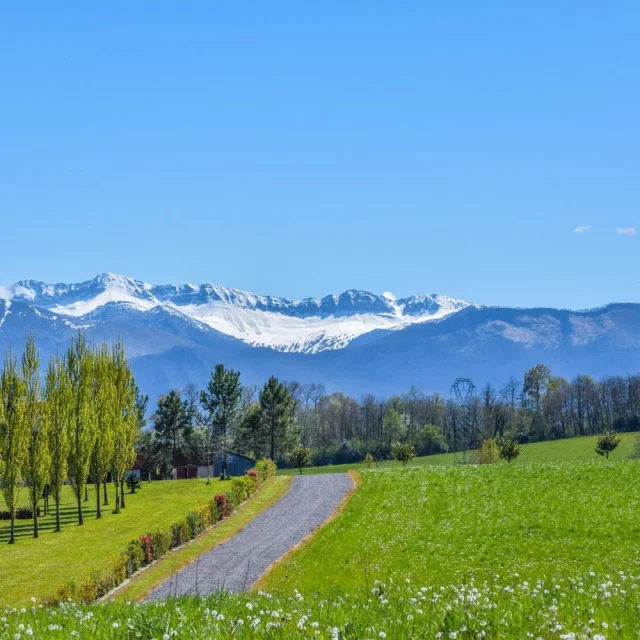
[
  {"x": 147, "y": 546},
  {"x": 161, "y": 543},
  {"x": 224, "y": 505}
]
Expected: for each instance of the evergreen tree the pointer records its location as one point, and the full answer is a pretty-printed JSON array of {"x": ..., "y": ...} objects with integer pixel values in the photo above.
[
  {"x": 14, "y": 435},
  {"x": 276, "y": 418},
  {"x": 104, "y": 406},
  {"x": 221, "y": 401},
  {"x": 171, "y": 423},
  {"x": 39, "y": 458},
  {"x": 58, "y": 414},
  {"x": 82, "y": 433}
]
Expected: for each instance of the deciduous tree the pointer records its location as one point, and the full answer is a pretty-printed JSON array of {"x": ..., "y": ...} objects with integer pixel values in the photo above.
[
  {"x": 14, "y": 435},
  {"x": 58, "y": 414},
  {"x": 38, "y": 463}
]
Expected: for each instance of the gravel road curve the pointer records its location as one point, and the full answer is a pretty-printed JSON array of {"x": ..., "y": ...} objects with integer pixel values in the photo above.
[{"x": 237, "y": 563}]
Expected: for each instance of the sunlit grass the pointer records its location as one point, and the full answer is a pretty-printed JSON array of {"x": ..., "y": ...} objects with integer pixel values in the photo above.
[{"x": 582, "y": 448}]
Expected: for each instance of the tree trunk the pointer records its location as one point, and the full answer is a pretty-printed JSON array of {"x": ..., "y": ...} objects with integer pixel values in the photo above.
[
  {"x": 117, "y": 507},
  {"x": 80, "y": 517},
  {"x": 12, "y": 537},
  {"x": 122, "y": 504},
  {"x": 86, "y": 493},
  {"x": 35, "y": 522},
  {"x": 105, "y": 496},
  {"x": 98, "y": 512},
  {"x": 57, "y": 529}
]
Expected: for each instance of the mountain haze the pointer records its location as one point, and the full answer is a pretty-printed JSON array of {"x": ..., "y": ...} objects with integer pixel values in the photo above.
[{"x": 357, "y": 342}]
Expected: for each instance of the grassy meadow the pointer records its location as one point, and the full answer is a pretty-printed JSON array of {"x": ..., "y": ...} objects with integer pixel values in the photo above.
[
  {"x": 582, "y": 448},
  {"x": 443, "y": 525},
  {"x": 36, "y": 567},
  {"x": 523, "y": 551}
]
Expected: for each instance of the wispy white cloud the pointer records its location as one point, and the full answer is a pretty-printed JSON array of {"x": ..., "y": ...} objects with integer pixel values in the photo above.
[
  {"x": 583, "y": 228},
  {"x": 627, "y": 231}
]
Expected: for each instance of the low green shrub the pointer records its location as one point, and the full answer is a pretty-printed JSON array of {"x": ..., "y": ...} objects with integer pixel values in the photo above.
[
  {"x": 134, "y": 557},
  {"x": 161, "y": 543},
  {"x": 265, "y": 468},
  {"x": 179, "y": 533}
]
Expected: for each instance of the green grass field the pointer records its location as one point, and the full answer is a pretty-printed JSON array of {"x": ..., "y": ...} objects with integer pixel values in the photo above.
[
  {"x": 442, "y": 525},
  {"x": 549, "y": 451},
  {"x": 35, "y": 568},
  {"x": 540, "y": 550}
]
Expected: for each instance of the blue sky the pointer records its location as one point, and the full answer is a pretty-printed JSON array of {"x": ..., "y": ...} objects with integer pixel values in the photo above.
[{"x": 305, "y": 148}]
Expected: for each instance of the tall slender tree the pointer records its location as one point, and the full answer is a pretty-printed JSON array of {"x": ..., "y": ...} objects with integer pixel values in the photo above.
[
  {"x": 171, "y": 423},
  {"x": 39, "y": 458},
  {"x": 221, "y": 401},
  {"x": 276, "y": 408},
  {"x": 14, "y": 435},
  {"x": 80, "y": 363},
  {"x": 58, "y": 414},
  {"x": 125, "y": 421},
  {"x": 104, "y": 399}
]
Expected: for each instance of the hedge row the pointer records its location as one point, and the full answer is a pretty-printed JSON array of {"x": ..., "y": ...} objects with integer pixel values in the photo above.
[
  {"x": 23, "y": 513},
  {"x": 152, "y": 546}
]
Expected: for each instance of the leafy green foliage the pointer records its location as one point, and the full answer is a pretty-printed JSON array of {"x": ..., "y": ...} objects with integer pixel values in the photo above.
[
  {"x": 508, "y": 450},
  {"x": 607, "y": 442},
  {"x": 403, "y": 452},
  {"x": 300, "y": 457}
]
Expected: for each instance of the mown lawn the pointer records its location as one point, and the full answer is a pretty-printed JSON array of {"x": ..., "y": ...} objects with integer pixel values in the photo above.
[
  {"x": 550, "y": 451},
  {"x": 448, "y": 524},
  {"x": 36, "y": 567}
]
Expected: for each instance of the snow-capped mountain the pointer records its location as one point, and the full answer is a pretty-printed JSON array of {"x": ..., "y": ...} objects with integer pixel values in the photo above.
[
  {"x": 356, "y": 342},
  {"x": 310, "y": 325}
]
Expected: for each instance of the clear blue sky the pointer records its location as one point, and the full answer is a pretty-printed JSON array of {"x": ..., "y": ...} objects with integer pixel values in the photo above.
[{"x": 302, "y": 148}]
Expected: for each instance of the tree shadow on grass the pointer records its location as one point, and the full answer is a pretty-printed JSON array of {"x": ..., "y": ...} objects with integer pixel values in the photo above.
[{"x": 46, "y": 524}]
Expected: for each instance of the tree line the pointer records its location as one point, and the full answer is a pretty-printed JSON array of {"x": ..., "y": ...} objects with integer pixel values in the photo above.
[
  {"x": 78, "y": 425},
  {"x": 225, "y": 416},
  {"x": 540, "y": 406},
  {"x": 281, "y": 416}
]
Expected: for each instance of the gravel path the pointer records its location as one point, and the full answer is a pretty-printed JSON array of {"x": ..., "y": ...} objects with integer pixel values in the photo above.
[{"x": 237, "y": 563}]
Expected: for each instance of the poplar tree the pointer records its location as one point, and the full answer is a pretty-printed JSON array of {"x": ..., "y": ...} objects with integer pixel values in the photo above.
[
  {"x": 104, "y": 406},
  {"x": 125, "y": 421},
  {"x": 39, "y": 459},
  {"x": 14, "y": 435},
  {"x": 83, "y": 422},
  {"x": 58, "y": 414}
]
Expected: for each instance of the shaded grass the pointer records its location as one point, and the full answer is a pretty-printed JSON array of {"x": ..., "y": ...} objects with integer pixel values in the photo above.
[
  {"x": 36, "y": 567},
  {"x": 441, "y": 525},
  {"x": 142, "y": 584},
  {"x": 582, "y": 448}
]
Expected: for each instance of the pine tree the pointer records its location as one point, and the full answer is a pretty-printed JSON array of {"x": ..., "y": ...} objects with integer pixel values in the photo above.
[
  {"x": 276, "y": 409},
  {"x": 58, "y": 414},
  {"x": 39, "y": 459},
  {"x": 80, "y": 363},
  {"x": 104, "y": 399},
  {"x": 14, "y": 435},
  {"x": 171, "y": 423},
  {"x": 221, "y": 401}
]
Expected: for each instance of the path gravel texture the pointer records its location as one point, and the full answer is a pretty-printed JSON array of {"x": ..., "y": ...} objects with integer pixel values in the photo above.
[{"x": 238, "y": 562}]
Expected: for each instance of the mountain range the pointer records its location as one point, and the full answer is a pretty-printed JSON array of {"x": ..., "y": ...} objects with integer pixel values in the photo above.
[{"x": 357, "y": 342}]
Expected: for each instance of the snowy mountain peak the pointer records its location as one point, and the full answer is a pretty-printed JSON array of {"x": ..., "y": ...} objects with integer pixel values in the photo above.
[{"x": 309, "y": 325}]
